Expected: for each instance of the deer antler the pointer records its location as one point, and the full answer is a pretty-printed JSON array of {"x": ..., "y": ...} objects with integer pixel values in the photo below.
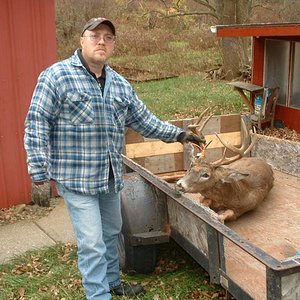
[
  {"x": 242, "y": 151},
  {"x": 197, "y": 127}
]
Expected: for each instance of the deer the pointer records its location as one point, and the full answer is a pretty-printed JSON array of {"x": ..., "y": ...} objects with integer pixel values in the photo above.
[{"x": 231, "y": 186}]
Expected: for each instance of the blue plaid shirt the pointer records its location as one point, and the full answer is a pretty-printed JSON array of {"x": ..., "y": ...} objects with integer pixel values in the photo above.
[{"x": 73, "y": 133}]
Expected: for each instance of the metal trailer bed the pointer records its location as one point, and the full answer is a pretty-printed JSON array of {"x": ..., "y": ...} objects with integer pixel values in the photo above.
[{"x": 253, "y": 257}]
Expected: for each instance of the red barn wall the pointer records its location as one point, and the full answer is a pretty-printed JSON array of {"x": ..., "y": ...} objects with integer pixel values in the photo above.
[{"x": 28, "y": 45}]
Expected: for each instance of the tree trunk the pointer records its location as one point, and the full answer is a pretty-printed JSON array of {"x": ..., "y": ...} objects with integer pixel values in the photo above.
[{"x": 234, "y": 50}]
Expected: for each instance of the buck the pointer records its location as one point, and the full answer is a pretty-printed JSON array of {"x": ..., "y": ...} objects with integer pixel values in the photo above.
[{"x": 230, "y": 186}]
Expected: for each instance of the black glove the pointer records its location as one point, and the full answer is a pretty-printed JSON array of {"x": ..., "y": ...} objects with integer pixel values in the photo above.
[{"x": 188, "y": 136}]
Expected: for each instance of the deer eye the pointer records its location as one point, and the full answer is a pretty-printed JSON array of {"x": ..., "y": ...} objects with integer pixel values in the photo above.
[{"x": 205, "y": 175}]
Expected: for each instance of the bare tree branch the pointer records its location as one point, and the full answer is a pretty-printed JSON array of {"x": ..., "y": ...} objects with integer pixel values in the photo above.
[
  {"x": 206, "y": 4},
  {"x": 182, "y": 14}
]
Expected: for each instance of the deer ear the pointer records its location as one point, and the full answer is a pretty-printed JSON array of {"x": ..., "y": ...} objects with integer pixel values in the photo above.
[{"x": 233, "y": 177}]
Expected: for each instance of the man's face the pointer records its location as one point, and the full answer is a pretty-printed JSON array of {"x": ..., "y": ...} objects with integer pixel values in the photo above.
[{"x": 97, "y": 45}]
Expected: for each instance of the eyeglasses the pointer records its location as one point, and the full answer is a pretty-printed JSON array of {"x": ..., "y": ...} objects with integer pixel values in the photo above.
[{"x": 95, "y": 38}]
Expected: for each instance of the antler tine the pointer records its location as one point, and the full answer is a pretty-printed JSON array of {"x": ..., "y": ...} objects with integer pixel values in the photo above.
[
  {"x": 196, "y": 127},
  {"x": 201, "y": 115},
  {"x": 225, "y": 160},
  {"x": 243, "y": 146},
  {"x": 242, "y": 151}
]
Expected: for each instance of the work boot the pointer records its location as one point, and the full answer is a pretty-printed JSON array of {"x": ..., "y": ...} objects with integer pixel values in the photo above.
[{"x": 126, "y": 289}]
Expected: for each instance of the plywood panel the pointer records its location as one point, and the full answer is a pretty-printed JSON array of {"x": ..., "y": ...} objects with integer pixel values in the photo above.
[
  {"x": 245, "y": 271},
  {"x": 272, "y": 227},
  {"x": 291, "y": 287},
  {"x": 188, "y": 225},
  {"x": 230, "y": 123},
  {"x": 233, "y": 138},
  {"x": 158, "y": 155},
  {"x": 160, "y": 163},
  {"x": 152, "y": 148},
  {"x": 133, "y": 137}
]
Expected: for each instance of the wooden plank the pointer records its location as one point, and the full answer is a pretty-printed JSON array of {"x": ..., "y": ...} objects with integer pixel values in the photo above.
[
  {"x": 160, "y": 163},
  {"x": 188, "y": 225},
  {"x": 133, "y": 137},
  {"x": 140, "y": 161},
  {"x": 214, "y": 154},
  {"x": 212, "y": 126},
  {"x": 291, "y": 286},
  {"x": 179, "y": 161},
  {"x": 233, "y": 138},
  {"x": 246, "y": 86},
  {"x": 171, "y": 176},
  {"x": 152, "y": 149},
  {"x": 273, "y": 227},
  {"x": 230, "y": 123}
]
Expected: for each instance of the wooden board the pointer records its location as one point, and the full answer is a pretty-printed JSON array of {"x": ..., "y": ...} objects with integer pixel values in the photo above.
[
  {"x": 246, "y": 86},
  {"x": 189, "y": 226},
  {"x": 152, "y": 149},
  {"x": 159, "y": 157},
  {"x": 273, "y": 227}
]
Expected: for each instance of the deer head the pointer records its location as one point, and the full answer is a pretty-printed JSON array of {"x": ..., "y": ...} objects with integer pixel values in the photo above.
[{"x": 202, "y": 174}]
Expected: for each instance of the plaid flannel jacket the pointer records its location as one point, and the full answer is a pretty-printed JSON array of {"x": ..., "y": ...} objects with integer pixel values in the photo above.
[{"x": 72, "y": 132}]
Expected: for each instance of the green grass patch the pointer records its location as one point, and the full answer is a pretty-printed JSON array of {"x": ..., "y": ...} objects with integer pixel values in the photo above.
[
  {"x": 52, "y": 273},
  {"x": 188, "y": 96}
]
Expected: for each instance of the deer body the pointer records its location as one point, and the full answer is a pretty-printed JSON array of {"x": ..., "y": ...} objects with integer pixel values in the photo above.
[
  {"x": 230, "y": 190},
  {"x": 232, "y": 185}
]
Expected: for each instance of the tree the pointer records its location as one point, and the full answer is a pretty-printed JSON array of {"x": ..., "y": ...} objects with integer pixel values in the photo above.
[
  {"x": 220, "y": 12},
  {"x": 234, "y": 50}
]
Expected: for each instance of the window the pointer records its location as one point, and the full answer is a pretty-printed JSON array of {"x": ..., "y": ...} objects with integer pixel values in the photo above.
[
  {"x": 277, "y": 67},
  {"x": 295, "y": 87},
  {"x": 282, "y": 69}
]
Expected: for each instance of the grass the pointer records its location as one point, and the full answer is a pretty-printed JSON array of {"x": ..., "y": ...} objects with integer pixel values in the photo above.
[
  {"x": 187, "y": 96},
  {"x": 52, "y": 273}
]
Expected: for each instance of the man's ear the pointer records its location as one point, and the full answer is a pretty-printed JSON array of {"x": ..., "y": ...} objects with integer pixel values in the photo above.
[{"x": 81, "y": 41}]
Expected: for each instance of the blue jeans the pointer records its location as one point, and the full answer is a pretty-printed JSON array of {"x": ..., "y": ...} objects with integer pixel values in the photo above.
[{"x": 97, "y": 222}]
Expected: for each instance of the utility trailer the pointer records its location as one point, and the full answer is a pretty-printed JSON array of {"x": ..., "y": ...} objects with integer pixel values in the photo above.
[{"x": 254, "y": 257}]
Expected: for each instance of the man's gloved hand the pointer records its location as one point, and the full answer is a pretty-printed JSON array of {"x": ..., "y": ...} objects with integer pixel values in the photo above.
[
  {"x": 41, "y": 193},
  {"x": 188, "y": 136}
]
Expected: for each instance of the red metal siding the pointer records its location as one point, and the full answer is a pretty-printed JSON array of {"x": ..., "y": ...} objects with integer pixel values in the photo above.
[
  {"x": 258, "y": 50},
  {"x": 28, "y": 45},
  {"x": 290, "y": 116},
  {"x": 259, "y": 30}
]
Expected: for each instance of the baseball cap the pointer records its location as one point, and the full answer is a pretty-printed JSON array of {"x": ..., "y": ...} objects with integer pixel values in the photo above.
[{"x": 94, "y": 22}]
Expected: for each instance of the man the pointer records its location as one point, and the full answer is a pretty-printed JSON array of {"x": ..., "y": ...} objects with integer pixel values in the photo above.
[{"x": 74, "y": 135}]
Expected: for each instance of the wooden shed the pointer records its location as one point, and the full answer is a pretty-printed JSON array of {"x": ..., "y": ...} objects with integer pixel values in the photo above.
[
  {"x": 275, "y": 62},
  {"x": 28, "y": 45}
]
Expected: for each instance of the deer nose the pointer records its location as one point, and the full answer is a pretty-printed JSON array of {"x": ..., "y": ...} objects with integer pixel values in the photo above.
[{"x": 179, "y": 186}]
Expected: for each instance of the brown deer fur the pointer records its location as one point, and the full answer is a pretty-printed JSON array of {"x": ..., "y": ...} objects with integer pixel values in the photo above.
[
  {"x": 233, "y": 185},
  {"x": 229, "y": 190}
]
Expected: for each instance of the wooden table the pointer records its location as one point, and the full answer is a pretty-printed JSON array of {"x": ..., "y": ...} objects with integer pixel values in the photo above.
[{"x": 241, "y": 87}]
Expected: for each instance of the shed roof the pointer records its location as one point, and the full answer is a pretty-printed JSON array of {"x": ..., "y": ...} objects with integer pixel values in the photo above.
[{"x": 258, "y": 29}]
